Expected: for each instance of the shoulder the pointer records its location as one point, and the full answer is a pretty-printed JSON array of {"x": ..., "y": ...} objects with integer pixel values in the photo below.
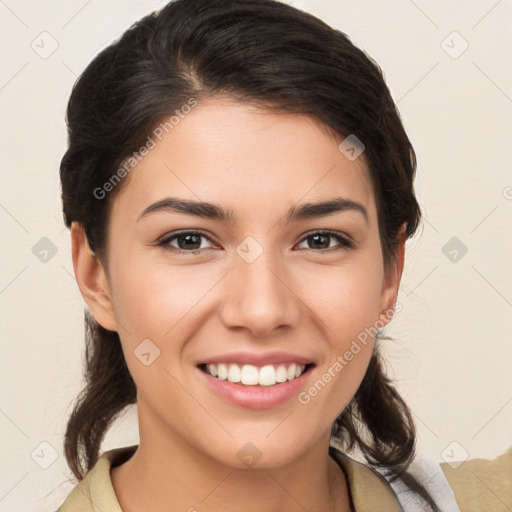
[
  {"x": 473, "y": 485},
  {"x": 481, "y": 484},
  {"x": 95, "y": 491}
]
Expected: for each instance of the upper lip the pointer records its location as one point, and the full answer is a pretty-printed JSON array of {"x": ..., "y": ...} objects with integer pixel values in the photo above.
[{"x": 256, "y": 359}]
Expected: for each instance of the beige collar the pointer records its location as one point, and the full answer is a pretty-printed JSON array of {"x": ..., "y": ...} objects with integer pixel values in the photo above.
[{"x": 369, "y": 490}]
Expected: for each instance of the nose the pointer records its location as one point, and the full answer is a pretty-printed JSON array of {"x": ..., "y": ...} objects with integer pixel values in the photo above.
[{"x": 260, "y": 296}]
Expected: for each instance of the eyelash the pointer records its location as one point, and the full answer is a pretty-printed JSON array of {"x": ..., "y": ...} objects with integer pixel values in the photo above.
[{"x": 344, "y": 242}]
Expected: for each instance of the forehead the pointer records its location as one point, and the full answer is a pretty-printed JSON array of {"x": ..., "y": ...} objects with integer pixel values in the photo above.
[{"x": 247, "y": 159}]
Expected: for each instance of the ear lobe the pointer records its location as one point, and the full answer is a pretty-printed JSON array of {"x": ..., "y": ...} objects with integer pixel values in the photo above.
[
  {"x": 392, "y": 278},
  {"x": 91, "y": 278}
]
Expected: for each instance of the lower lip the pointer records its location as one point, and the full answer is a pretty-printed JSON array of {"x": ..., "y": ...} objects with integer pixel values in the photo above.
[{"x": 256, "y": 397}]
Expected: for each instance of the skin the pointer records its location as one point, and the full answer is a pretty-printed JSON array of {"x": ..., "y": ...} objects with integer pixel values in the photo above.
[{"x": 296, "y": 296}]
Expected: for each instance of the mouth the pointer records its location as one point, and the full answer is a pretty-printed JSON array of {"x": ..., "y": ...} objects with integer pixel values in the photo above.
[{"x": 251, "y": 375}]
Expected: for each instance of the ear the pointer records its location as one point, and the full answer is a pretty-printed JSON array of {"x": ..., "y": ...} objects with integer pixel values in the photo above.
[
  {"x": 91, "y": 278},
  {"x": 392, "y": 277}
]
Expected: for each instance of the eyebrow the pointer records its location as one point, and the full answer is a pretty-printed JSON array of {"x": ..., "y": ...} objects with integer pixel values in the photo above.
[{"x": 295, "y": 213}]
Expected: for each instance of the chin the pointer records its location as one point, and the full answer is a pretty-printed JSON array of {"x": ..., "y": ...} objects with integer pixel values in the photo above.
[{"x": 260, "y": 454}]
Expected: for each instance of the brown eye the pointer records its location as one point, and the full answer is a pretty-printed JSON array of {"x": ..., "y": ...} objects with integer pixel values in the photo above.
[
  {"x": 321, "y": 240},
  {"x": 186, "y": 241}
]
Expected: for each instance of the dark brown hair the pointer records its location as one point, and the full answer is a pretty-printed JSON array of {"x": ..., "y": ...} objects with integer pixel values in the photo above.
[{"x": 274, "y": 56}]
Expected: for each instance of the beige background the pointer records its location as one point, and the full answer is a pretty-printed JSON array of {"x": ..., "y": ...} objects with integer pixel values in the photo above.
[{"x": 453, "y": 350}]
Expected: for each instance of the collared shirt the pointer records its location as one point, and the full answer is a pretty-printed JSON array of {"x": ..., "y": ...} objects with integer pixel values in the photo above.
[{"x": 479, "y": 485}]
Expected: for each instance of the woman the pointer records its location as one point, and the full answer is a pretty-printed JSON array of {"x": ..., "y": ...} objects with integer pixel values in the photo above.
[{"x": 239, "y": 189}]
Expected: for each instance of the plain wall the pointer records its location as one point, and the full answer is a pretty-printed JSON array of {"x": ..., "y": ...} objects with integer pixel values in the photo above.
[{"x": 452, "y": 352}]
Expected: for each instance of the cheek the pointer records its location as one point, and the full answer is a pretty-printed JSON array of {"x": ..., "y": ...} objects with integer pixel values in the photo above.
[
  {"x": 155, "y": 302},
  {"x": 347, "y": 303},
  {"x": 346, "y": 299},
  {"x": 151, "y": 296}
]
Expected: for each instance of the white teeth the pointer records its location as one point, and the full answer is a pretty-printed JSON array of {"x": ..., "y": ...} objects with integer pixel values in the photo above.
[
  {"x": 222, "y": 371},
  {"x": 281, "y": 374},
  {"x": 251, "y": 375},
  {"x": 234, "y": 373},
  {"x": 267, "y": 376}
]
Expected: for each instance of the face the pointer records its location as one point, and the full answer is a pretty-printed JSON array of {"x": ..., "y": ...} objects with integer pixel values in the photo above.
[{"x": 269, "y": 284}]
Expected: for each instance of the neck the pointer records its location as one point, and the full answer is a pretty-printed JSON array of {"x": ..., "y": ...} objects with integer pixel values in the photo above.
[{"x": 181, "y": 477}]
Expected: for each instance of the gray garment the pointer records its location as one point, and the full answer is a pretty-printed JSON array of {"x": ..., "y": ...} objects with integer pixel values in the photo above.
[{"x": 431, "y": 476}]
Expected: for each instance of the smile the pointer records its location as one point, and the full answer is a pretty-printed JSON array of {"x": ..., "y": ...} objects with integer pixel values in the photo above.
[{"x": 250, "y": 375}]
